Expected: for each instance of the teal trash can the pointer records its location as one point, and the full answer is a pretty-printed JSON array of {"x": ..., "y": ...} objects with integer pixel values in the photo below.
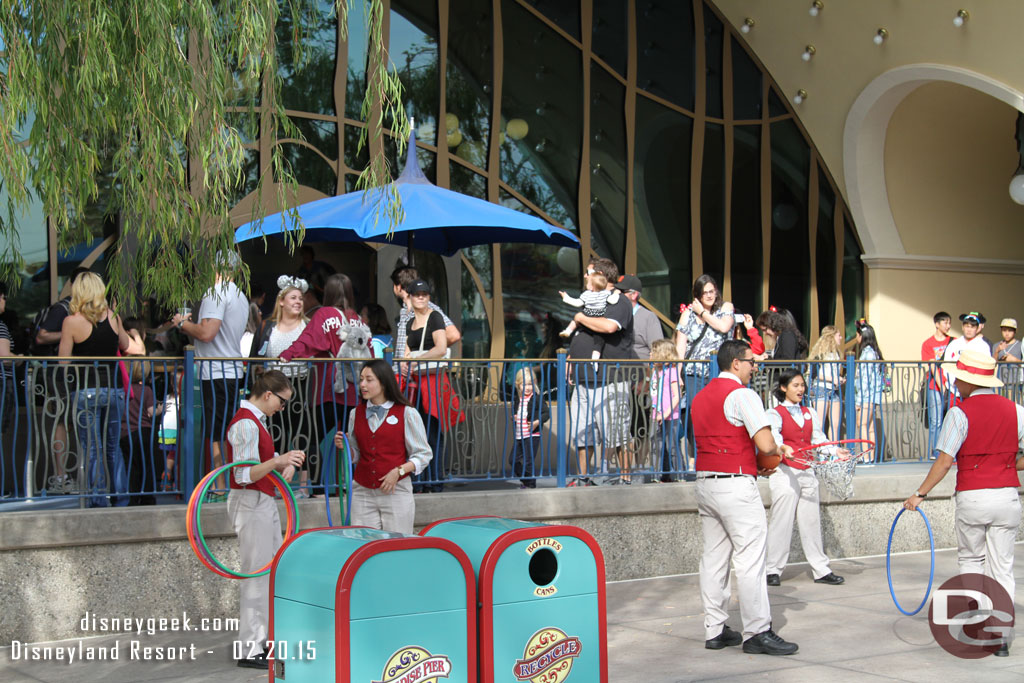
[
  {"x": 356, "y": 605},
  {"x": 541, "y": 599}
]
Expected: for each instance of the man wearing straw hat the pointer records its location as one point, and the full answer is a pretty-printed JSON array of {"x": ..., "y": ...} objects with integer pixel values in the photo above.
[{"x": 984, "y": 433}]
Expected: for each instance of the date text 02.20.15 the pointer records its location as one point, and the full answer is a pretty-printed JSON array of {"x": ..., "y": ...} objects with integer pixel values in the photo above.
[{"x": 280, "y": 650}]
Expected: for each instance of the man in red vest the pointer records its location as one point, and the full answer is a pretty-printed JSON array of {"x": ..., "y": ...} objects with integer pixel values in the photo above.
[
  {"x": 729, "y": 427},
  {"x": 984, "y": 433}
]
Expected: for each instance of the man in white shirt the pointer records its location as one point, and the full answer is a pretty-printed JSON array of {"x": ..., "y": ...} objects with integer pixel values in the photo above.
[
  {"x": 730, "y": 426},
  {"x": 972, "y": 324},
  {"x": 223, "y": 315}
]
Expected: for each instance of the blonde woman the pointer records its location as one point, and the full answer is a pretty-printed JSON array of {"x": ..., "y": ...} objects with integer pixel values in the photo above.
[
  {"x": 666, "y": 407},
  {"x": 92, "y": 330},
  {"x": 825, "y": 391},
  {"x": 274, "y": 335}
]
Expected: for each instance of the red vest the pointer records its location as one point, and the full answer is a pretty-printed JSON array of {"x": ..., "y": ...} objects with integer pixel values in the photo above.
[
  {"x": 795, "y": 436},
  {"x": 721, "y": 446},
  {"x": 988, "y": 457},
  {"x": 380, "y": 451},
  {"x": 266, "y": 449}
]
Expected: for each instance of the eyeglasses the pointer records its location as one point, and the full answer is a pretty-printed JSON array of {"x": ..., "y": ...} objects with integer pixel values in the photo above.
[
  {"x": 280, "y": 398},
  {"x": 752, "y": 361}
]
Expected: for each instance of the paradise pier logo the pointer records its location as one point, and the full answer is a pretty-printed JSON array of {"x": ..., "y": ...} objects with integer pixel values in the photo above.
[
  {"x": 413, "y": 664},
  {"x": 548, "y": 656}
]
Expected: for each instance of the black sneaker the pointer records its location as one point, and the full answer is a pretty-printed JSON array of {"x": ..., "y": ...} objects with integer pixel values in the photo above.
[
  {"x": 767, "y": 643},
  {"x": 774, "y": 580},
  {"x": 831, "y": 579},
  {"x": 726, "y": 638},
  {"x": 257, "y": 662}
]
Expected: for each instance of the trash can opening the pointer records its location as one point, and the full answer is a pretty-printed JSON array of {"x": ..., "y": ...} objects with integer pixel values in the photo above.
[{"x": 543, "y": 567}]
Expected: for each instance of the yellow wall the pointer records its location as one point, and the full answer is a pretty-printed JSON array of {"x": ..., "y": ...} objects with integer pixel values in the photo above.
[
  {"x": 902, "y": 303},
  {"x": 949, "y": 155},
  {"x": 846, "y": 59}
]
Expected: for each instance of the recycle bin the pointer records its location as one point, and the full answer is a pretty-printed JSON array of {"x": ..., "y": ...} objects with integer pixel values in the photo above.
[
  {"x": 541, "y": 599},
  {"x": 355, "y": 605}
]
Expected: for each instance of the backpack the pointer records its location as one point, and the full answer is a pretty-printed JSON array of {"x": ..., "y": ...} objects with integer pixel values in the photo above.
[
  {"x": 35, "y": 349},
  {"x": 355, "y": 343}
]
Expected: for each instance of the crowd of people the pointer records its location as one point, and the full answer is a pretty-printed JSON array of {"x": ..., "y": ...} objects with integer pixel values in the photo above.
[{"x": 626, "y": 415}]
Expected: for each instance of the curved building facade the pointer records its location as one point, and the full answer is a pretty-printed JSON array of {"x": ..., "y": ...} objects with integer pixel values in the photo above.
[{"x": 648, "y": 129}]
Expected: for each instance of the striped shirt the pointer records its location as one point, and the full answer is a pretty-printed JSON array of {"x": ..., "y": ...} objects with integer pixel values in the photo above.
[
  {"x": 523, "y": 423},
  {"x": 6, "y": 334},
  {"x": 954, "y": 427},
  {"x": 244, "y": 437}
]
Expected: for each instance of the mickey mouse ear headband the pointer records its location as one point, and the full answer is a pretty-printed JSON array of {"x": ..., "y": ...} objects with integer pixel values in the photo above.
[{"x": 289, "y": 281}]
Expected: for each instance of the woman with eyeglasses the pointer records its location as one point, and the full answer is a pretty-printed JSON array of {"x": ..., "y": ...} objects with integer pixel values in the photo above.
[
  {"x": 251, "y": 505},
  {"x": 388, "y": 446}
]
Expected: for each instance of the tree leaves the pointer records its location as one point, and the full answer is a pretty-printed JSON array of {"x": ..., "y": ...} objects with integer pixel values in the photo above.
[{"x": 131, "y": 109}]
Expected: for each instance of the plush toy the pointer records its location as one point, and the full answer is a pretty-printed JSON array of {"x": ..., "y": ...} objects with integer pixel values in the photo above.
[{"x": 355, "y": 344}]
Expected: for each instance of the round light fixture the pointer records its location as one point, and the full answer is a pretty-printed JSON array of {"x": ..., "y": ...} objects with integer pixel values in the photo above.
[
  {"x": 517, "y": 129},
  {"x": 808, "y": 53},
  {"x": 880, "y": 36},
  {"x": 800, "y": 96},
  {"x": 961, "y": 18},
  {"x": 747, "y": 24},
  {"x": 1017, "y": 188},
  {"x": 816, "y": 8}
]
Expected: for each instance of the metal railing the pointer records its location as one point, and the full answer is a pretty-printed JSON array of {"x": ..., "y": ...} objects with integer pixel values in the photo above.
[{"x": 100, "y": 432}]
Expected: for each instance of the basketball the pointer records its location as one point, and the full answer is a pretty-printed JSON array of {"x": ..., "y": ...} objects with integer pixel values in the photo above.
[{"x": 767, "y": 462}]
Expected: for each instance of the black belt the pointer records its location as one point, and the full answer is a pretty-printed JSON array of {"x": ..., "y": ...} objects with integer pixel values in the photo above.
[{"x": 722, "y": 476}]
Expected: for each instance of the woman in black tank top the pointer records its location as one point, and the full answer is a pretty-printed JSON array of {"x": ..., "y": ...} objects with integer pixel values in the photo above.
[{"x": 92, "y": 330}]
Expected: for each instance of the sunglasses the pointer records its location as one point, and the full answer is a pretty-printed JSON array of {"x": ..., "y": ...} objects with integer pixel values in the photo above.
[{"x": 280, "y": 398}]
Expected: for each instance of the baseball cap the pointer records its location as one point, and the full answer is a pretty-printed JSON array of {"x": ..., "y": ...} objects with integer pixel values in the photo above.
[
  {"x": 1009, "y": 322},
  {"x": 972, "y": 317},
  {"x": 418, "y": 286},
  {"x": 629, "y": 282}
]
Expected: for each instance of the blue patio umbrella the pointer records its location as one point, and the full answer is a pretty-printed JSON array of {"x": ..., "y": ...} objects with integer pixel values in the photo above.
[{"x": 436, "y": 220}]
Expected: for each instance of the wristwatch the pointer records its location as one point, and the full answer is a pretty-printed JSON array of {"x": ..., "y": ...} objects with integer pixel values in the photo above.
[
  {"x": 401, "y": 472},
  {"x": 920, "y": 495},
  {"x": 180, "y": 323}
]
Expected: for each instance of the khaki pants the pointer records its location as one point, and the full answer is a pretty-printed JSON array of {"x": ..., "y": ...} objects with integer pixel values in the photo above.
[
  {"x": 733, "y": 522},
  {"x": 254, "y": 516},
  {"x": 388, "y": 511},
  {"x": 795, "y": 493},
  {"x": 986, "y": 528}
]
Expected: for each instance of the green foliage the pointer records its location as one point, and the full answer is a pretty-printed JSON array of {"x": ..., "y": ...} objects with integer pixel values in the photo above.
[{"x": 143, "y": 109}]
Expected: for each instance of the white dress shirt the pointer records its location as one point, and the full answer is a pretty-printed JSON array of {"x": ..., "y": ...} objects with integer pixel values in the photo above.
[
  {"x": 244, "y": 437},
  {"x": 417, "y": 447},
  {"x": 954, "y": 427},
  {"x": 796, "y": 412}
]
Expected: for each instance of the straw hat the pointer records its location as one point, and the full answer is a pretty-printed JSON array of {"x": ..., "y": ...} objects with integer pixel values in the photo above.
[{"x": 977, "y": 369}]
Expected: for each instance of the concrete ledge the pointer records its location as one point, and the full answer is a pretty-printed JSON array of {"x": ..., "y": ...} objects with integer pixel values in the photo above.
[
  {"x": 56, "y": 566},
  {"x": 67, "y": 528}
]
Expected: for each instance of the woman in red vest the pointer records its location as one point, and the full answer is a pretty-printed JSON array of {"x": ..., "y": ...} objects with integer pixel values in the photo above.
[
  {"x": 251, "y": 505},
  {"x": 388, "y": 445},
  {"x": 794, "y": 486}
]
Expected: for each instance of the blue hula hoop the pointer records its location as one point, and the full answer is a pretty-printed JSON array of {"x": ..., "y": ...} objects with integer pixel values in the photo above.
[
  {"x": 888, "y": 563},
  {"x": 332, "y": 454}
]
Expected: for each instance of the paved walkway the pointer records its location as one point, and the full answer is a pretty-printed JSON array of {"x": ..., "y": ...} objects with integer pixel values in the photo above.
[{"x": 655, "y": 635}]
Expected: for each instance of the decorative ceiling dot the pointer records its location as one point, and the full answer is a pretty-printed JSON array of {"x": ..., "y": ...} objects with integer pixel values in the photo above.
[
  {"x": 747, "y": 24},
  {"x": 808, "y": 53},
  {"x": 816, "y": 8},
  {"x": 880, "y": 36},
  {"x": 800, "y": 96},
  {"x": 961, "y": 18}
]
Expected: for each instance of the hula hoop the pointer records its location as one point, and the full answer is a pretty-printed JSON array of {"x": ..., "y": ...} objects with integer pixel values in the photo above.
[
  {"x": 888, "y": 562},
  {"x": 841, "y": 442},
  {"x": 348, "y": 478},
  {"x": 193, "y": 521}
]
